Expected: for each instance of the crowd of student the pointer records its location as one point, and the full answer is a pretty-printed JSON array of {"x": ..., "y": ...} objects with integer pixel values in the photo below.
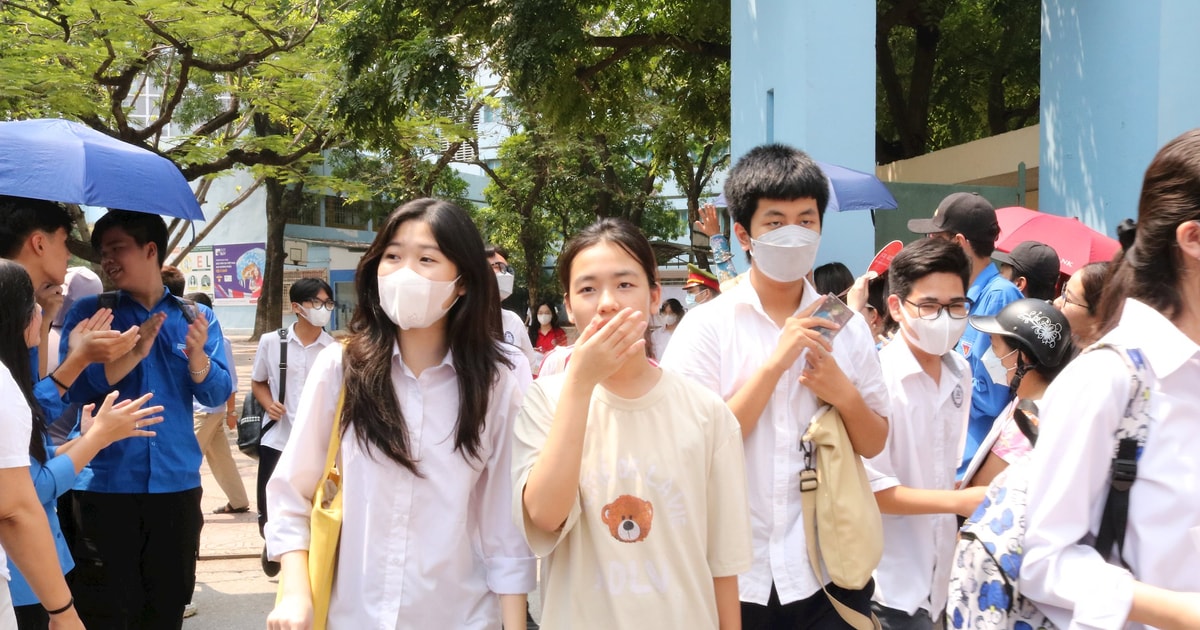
[{"x": 656, "y": 493}]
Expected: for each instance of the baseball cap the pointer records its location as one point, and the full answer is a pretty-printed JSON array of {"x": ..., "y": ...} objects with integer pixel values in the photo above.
[
  {"x": 702, "y": 278},
  {"x": 1033, "y": 260},
  {"x": 963, "y": 213}
]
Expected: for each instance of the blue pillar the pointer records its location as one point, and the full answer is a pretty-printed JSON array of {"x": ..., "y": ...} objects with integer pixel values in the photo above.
[
  {"x": 803, "y": 73},
  {"x": 1119, "y": 80}
]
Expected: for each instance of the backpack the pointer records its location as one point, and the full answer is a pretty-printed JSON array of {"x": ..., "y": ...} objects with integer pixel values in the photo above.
[
  {"x": 250, "y": 425},
  {"x": 984, "y": 579}
]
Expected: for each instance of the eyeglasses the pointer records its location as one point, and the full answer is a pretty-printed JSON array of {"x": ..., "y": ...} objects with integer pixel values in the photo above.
[
  {"x": 958, "y": 309},
  {"x": 328, "y": 305},
  {"x": 499, "y": 267},
  {"x": 1066, "y": 298}
]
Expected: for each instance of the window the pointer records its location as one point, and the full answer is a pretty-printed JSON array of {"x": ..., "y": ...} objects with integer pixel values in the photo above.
[
  {"x": 340, "y": 214},
  {"x": 308, "y": 213}
]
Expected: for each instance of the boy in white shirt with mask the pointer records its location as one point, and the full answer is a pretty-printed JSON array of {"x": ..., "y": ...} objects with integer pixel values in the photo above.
[
  {"x": 515, "y": 332},
  {"x": 930, "y": 391},
  {"x": 312, "y": 304},
  {"x": 760, "y": 348}
]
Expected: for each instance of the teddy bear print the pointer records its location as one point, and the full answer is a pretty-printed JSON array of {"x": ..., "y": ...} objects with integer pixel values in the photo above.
[{"x": 628, "y": 518}]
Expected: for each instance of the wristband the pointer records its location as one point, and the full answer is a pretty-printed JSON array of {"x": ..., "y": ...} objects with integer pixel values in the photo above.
[
  {"x": 62, "y": 610},
  {"x": 56, "y": 381}
]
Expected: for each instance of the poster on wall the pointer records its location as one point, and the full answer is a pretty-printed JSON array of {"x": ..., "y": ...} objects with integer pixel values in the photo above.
[
  {"x": 197, "y": 268},
  {"x": 238, "y": 273}
]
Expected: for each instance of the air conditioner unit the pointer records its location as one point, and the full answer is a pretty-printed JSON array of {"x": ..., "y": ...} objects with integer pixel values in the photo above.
[{"x": 297, "y": 252}]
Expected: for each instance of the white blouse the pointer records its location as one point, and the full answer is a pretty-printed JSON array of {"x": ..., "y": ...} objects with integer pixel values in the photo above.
[
  {"x": 1070, "y": 478},
  {"x": 429, "y": 552}
]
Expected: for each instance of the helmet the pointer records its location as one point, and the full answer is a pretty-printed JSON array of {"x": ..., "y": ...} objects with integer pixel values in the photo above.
[{"x": 1034, "y": 325}]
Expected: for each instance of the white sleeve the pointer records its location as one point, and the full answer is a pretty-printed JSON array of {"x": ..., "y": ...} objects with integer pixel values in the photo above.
[
  {"x": 291, "y": 488},
  {"x": 16, "y": 424},
  {"x": 694, "y": 352},
  {"x": 868, "y": 373},
  {"x": 881, "y": 473},
  {"x": 511, "y": 566},
  {"x": 1069, "y": 478},
  {"x": 529, "y": 438},
  {"x": 261, "y": 371}
]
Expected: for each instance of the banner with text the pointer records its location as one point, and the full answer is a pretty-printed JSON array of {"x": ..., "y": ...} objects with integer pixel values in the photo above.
[{"x": 238, "y": 273}]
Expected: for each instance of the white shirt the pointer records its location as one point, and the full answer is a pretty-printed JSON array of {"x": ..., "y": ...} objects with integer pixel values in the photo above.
[
  {"x": 927, "y": 429},
  {"x": 720, "y": 345},
  {"x": 417, "y": 553},
  {"x": 555, "y": 361},
  {"x": 300, "y": 359},
  {"x": 16, "y": 423},
  {"x": 1070, "y": 478},
  {"x": 660, "y": 337},
  {"x": 516, "y": 333}
]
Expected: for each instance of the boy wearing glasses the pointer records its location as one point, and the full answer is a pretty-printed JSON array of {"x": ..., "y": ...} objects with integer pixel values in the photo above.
[
  {"x": 970, "y": 221},
  {"x": 312, "y": 303},
  {"x": 929, "y": 386}
]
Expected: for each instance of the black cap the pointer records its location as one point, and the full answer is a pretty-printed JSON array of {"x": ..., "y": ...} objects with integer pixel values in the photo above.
[
  {"x": 1037, "y": 262},
  {"x": 961, "y": 213}
]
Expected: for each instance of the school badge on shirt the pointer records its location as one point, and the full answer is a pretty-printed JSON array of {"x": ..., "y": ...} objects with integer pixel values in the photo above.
[{"x": 957, "y": 395}]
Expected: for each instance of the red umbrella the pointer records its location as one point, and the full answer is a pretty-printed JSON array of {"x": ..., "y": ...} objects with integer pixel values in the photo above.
[{"x": 1075, "y": 243}]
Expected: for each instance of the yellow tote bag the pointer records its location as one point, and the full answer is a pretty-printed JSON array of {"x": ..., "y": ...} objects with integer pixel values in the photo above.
[{"x": 325, "y": 526}]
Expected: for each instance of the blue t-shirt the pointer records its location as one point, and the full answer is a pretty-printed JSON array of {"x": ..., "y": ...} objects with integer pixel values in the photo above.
[
  {"x": 170, "y": 461},
  {"x": 989, "y": 294}
]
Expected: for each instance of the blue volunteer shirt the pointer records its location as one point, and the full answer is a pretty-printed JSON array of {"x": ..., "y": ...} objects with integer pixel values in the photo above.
[
  {"x": 45, "y": 391},
  {"x": 990, "y": 293},
  {"x": 170, "y": 461}
]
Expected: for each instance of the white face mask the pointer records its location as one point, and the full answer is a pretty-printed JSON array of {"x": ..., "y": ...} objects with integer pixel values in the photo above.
[
  {"x": 317, "y": 315},
  {"x": 936, "y": 336},
  {"x": 544, "y": 319},
  {"x": 786, "y": 254},
  {"x": 670, "y": 320},
  {"x": 505, "y": 280},
  {"x": 412, "y": 300},
  {"x": 995, "y": 367}
]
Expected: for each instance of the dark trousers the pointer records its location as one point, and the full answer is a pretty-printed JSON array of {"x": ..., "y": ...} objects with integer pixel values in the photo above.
[
  {"x": 32, "y": 617},
  {"x": 267, "y": 459},
  {"x": 135, "y": 558},
  {"x": 813, "y": 613},
  {"x": 892, "y": 619}
]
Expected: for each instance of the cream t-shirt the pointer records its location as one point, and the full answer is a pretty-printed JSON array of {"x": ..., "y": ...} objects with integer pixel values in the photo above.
[{"x": 661, "y": 509}]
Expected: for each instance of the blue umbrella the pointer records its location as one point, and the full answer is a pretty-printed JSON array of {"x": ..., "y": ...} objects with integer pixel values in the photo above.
[
  {"x": 60, "y": 160},
  {"x": 848, "y": 190}
]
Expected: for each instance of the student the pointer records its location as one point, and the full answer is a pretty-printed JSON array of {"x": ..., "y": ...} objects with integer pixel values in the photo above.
[
  {"x": 1032, "y": 267},
  {"x": 514, "y": 331},
  {"x": 427, "y": 539},
  {"x": 544, "y": 332},
  {"x": 1080, "y": 301},
  {"x": 629, "y": 479},
  {"x": 138, "y": 515},
  {"x": 833, "y": 278},
  {"x": 24, "y": 531},
  {"x": 312, "y": 304},
  {"x": 1031, "y": 344},
  {"x": 670, "y": 314},
  {"x": 1151, "y": 304},
  {"x": 929, "y": 386},
  {"x": 758, "y": 348},
  {"x": 970, "y": 220},
  {"x": 34, "y": 234}
]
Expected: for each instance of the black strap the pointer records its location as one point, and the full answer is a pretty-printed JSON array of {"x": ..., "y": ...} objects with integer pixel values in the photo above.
[
  {"x": 282, "y": 332},
  {"x": 188, "y": 307},
  {"x": 1116, "y": 507}
]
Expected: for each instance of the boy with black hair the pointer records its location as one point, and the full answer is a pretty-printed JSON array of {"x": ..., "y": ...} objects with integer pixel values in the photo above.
[
  {"x": 929, "y": 386},
  {"x": 34, "y": 233},
  {"x": 312, "y": 304},
  {"x": 515, "y": 333},
  {"x": 138, "y": 515},
  {"x": 970, "y": 221},
  {"x": 771, "y": 366}
]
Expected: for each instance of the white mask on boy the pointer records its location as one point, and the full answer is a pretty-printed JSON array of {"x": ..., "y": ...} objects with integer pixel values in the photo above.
[{"x": 786, "y": 254}]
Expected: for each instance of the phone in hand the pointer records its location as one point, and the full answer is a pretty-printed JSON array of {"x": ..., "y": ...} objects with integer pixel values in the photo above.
[{"x": 834, "y": 310}]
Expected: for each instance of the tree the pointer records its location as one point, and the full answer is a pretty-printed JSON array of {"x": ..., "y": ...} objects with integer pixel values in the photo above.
[{"x": 953, "y": 72}]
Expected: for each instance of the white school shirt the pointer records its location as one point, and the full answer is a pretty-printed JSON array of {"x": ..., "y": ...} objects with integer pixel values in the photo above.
[
  {"x": 1070, "y": 478},
  {"x": 417, "y": 553},
  {"x": 16, "y": 423},
  {"x": 720, "y": 345},
  {"x": 300, "y": 358},
  {"x": 516, "y": 334},
  {"x": 927, "y": 431}
]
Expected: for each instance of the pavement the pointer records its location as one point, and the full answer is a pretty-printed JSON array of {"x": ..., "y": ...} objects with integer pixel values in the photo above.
[{"x": 232, "y": 592}]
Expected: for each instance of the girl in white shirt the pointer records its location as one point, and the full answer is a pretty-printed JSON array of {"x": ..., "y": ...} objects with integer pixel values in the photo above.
[
  {"x": 1152, "y": 304},
  {"x": 629, "y": 479},
  {"x": 427, "y": 536}
]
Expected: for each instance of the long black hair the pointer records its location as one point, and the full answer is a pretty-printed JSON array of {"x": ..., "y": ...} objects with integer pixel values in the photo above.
[
  {"x": 535, "y": 326},
  {"x": 16, "y": 311},
  {"x": 473, "y": 331},
  {"x": 1150, "y": 269}
]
